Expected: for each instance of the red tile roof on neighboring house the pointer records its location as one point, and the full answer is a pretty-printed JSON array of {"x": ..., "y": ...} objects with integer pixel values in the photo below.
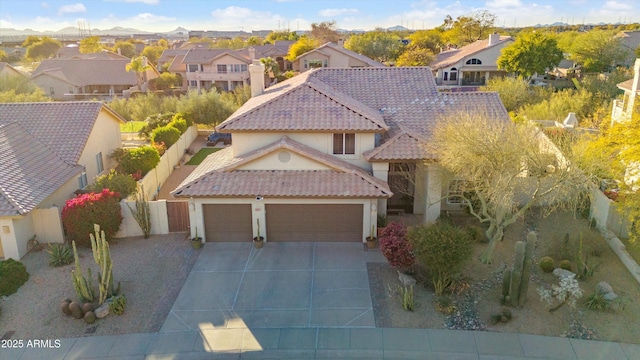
[
  {"x": 219, "y": 176},
  {"x": 40, "y": 145}
]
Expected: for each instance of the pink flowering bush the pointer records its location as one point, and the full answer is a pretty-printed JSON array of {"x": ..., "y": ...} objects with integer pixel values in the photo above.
[
  {"x": 82, "y": 212},
  {"x": 395, "y": 247}
]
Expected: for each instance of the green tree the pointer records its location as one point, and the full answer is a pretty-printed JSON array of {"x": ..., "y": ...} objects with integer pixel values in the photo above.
[
  {"x": 90, "y": 45},
  {"x": 597, "y": 51},
  {"x": 531, "y": 53},
  {"x": 166, "y": 81},
  {"x": 126, "y": 48},
  {"x": 427, "y": 39},
  {"x": 506, "y": 171},
  {"x": 3, "y": 56},
  {"x": 168, "y": 135},
  {"x": 42, "y": 49},
  {"x": 153, "y": 53},
  {"x": 467, "y": 29},
  {"x": 415, "y": 56},
  {"x": 379, "y": 45},
  {"x": 303, "y": 45},
  {"x": 281, "y": 35},
  {"x": 139, "y": 66},
  {"x": 325, "y": 32},
  {"x": 637, "y": 52},
  {"x": 253, "y": 41},
  {"x": 123, "y": 184},
  {"x": 271, "y": 67},
  {"x": 30, "y": 40},
  {"x": 515, "y": 92},
  {"x": 10, "y": 96}
]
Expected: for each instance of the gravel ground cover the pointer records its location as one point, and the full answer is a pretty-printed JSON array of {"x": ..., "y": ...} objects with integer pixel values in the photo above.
[{"x": 151, "y": 272}]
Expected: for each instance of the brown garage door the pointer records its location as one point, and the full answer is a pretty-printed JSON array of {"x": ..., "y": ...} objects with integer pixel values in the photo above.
[
  {"x": 314, "y": 222},
  {"x": 227, "y": 222}
]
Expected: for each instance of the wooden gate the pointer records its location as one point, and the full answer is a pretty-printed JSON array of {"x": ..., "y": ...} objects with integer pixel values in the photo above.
[{"x": 178, "y": 215}]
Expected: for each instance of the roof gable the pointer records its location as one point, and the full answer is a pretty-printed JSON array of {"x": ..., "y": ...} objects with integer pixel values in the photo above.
[
  {"x": 30, "y": 170},
  {"x": 451, "y": 57},
  {"x": 304, "y": 105},
  {"x": 83, "y": 72}
]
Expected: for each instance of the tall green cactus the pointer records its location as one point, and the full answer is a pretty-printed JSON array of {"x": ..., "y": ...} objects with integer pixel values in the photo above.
[
  {"x": 84, "y": 287},
  {"x": 102, "y": 257},
  {"x": 142, "y": 213},
  {"x": 515, "y": 294}
]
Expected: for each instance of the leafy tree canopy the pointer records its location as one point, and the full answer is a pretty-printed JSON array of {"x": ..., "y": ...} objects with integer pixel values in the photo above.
[
  {"x": 281, "y": 35},
  {"x": 467, "y": 29},
  {"x": 303, "y": 45},
  {"x": 90, "y": 45},
  {"x": 531, "y": 53},
  {"x": 415, "y": 56},
  {"x": 379, "y": 45},
  {"x": 43, "y": 48},
  {"x": 325, "y": 32},
  {"x": 597, "y": 51},
  {"x": 126, "y": 48}
]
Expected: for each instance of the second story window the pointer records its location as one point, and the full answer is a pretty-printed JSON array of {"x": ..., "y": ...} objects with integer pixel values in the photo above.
[
  {"x": 344, "y": 144},
  {"x": 222, "y": 69},
  {"x": 193, "y": 68},
  {"x": 474, "y": 61}
]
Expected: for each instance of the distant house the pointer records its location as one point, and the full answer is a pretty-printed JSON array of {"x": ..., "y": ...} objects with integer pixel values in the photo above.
[
  {"x": 48, "y": 151},
  {"x": 171, "y": 61},
  {"x": 6, "y": 70},
  {"x": 79, "y": 79},
  {"x": 333, "y": 56},
  {"x": 73, "y": 52},
  {"x": 470, "y": 65},
  {"x": 630, "y": 42}
]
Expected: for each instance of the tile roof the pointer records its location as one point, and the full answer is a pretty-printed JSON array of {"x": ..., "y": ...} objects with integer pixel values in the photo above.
[
  {"x": 450, "y": 57},
  {"x": 218, "y": 175},
  {"x": 403, "y": 146},
  {"x": 63, "y": 127},
  {"x": 304, "y": 104},
  {"x": 30, "y": 170},
  {"x": 347, "y": 52},
  {"x": 83, "y": 72},
  {"x": 627, "y": 85}
]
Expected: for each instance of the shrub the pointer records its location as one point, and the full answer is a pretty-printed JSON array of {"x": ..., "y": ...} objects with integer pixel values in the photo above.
[
  {"x": 12, "y": 275},
  {"x": 442, "y": 249},
  {"x": 168, "y": 135},
  {"x": 155, "y": 121},
  {"x": 81, "y": 213},
  {"x": 118, "y": 304},
  {"x": 59, "y": 254},
  {"x": 124, "y": 184},
  {"x": 547, "y": 264},
  {"x": 139, "y": 161},
  {"x": 566, "y": 264},
  {"x": 395, "y": 247},
  {"x": 179, "y": 123}
]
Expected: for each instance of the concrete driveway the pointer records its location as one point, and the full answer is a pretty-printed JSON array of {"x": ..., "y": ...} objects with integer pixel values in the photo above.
[{"x": 233, "y": 285}]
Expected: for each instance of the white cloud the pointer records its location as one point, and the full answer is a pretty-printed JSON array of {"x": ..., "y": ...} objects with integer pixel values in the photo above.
[
  {"x": 44, "y": 5},
  {"x": 504, "y": 3},
  {"x": 233, "y": 17},
  {"x": 337, "y": 12},
  {"x": 72, "y": 8},
  {"x": 149, "y": 18},
  {"x": 6, "y": 24},
  {"x": 617, "y": 6}
]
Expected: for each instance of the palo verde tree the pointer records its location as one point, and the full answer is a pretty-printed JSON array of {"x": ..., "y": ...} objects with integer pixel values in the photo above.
[
  {"x": 379, "y": 45},
  {"x": 507, "y": 168},
  {"x": 531, "y": 53}
]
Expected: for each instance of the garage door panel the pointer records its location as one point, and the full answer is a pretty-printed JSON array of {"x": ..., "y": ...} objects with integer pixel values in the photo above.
[
  {"x": 227, "y": 222},
  {"x": 314, "y": 222}
]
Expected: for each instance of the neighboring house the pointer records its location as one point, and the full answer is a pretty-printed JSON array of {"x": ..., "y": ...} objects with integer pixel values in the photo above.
[
  {"x": 80, "y": 79},
  {"x": 470, "y": 65},
  {"x": 623, "y": 109},
  {"x": 319, "y": 156},
  {"x": 225, "y": 69},
  {"x": 171, "y": 61},
  {"x": 47, "y": 152},
  {"x": 630, "y": 42},
  {"x": 333, "y": 56},
  {"x": 6, "y": 70},
  {"x": 73, "y": 52}
]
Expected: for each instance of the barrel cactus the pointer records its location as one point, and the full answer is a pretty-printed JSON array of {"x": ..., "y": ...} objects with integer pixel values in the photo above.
[
  {"x": 90, "y": 317},
  {"x": 547, "y": 264},
  {"x": 76, "y": 310}
]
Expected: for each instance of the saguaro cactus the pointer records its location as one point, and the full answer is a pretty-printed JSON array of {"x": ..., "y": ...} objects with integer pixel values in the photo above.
[{"x": 515, "y": 294}]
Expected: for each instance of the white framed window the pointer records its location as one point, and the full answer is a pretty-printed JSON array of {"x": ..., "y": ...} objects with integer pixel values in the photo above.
[
  {"x": 474, "y": 61},
  {"x": 243, "y": 67},
  {"x": 446, "y": 76},
  {"x": 99, "y": 163},
  {"x": 193, "y": 67},
  {"x": 82, "y": 180},
  {"x": 344, "y": 144},
  {"x": 222, "y": 68},
  {"x": 453, "y": 76},
  {"x": 193, "y": 83},
  {"x": 456, "y": 189}
]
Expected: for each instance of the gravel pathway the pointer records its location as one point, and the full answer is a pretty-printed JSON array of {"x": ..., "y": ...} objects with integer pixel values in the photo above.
[{"x": 151, "y": 272}]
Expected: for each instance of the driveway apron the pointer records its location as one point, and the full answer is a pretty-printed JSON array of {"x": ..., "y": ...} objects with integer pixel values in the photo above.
[{"x": 235, "y": 286}]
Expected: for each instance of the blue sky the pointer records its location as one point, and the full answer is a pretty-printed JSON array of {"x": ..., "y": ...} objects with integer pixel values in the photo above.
[{"x": 166, "y": 15}]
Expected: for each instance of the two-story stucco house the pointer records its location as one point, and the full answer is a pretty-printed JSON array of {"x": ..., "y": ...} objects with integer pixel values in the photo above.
[
  {"x": 319, "y": 156},
  {"x": 623, "y": 109},
  {"x": 47, "y": 152},
  {"x": 332, "y": 55},
  {"x": 470, "y": 65}
]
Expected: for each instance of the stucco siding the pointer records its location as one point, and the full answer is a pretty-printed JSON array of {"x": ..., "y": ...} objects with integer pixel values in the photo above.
[
  {"x": 105, "y": 137},
  {"x": 61, "y": 89},
  {"x": 274, "y": 161}
]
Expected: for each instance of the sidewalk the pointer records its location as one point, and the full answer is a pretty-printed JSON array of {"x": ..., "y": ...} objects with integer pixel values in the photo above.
[{"x": 328, "y": 343}]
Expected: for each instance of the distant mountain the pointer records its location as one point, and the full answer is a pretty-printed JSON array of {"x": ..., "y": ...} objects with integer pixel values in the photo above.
[
  {"x": 177, "y": 31},
  {"x": 397, "y": 28}
]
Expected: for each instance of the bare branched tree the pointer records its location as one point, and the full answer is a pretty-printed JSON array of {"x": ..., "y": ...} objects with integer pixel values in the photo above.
[{"x": 508, "y": 169}]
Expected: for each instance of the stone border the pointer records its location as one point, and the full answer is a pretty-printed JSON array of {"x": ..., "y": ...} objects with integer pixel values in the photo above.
[{"x": 620, "y": 250}]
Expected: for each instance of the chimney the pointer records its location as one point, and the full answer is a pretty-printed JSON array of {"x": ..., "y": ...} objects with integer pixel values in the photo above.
[
  {"x": 341, "y": 42},
  {"x": 252, "y": 54},
  {"x": 634, "y": 88},
  {"x": 494, "y": 39},
  {"x": 256, "y": 76}
]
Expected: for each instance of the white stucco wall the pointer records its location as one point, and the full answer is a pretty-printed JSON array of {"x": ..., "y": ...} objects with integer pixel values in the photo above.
[
  {"x": 273, "y": 162},
  {"x": 244, "y": 142},
  {"x": 105, "y": 137},
  {"x": 60, "y": 88}
]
